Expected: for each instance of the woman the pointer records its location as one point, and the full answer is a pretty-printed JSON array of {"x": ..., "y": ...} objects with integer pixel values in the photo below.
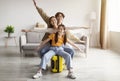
[
  {"x": 53, "y": 27},
  {"x": 57, "y": 39}
]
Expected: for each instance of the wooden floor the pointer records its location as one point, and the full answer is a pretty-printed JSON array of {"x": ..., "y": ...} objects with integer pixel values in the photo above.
[{"x": 100, "y": 65}]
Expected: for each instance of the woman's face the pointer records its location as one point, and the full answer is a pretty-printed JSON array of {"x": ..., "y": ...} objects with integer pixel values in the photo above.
[
  {"x": 61, "y": 30},
  {"x": 53, "y": 21}
]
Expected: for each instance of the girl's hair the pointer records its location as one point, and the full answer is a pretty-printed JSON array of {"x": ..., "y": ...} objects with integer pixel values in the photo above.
[
  {"x": 51, "y": 26},
  {"x": 56, "y": 34}
]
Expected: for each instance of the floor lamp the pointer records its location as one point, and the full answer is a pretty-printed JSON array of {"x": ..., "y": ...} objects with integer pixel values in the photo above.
[{"x": 93, "y": 30}]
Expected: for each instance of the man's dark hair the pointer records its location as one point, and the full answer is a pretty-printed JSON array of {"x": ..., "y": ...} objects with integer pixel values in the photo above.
[{"x": 56, "y": 15}]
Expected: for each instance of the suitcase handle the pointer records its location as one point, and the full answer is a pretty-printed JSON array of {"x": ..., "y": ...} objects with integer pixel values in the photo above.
[{"x": 54, "y": 63}]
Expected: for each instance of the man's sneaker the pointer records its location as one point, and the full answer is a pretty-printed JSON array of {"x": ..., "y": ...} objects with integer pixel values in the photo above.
[
  {"x": 37, "y": 75},
  {"x": 71, "y": 75}
]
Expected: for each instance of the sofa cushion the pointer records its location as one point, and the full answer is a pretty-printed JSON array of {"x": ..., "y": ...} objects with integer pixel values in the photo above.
[
  {"x": 34, "y": 37},
  {"x": 30, "y": 46}
]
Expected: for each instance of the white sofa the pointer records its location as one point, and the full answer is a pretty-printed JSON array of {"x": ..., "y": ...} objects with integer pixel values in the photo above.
[{"x": 30, "y": 40}]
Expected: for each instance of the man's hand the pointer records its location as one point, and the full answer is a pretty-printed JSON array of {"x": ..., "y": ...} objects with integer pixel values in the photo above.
[{"x": 24, "y": 30}]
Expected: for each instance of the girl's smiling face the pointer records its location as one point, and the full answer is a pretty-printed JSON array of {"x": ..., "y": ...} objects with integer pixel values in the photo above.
[{"x": 61, "y": 29}]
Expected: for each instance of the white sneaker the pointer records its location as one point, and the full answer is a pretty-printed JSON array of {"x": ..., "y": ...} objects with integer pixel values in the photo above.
[
  {"x": 37, "y": 75},
  {"x": 71, "y": 75}
]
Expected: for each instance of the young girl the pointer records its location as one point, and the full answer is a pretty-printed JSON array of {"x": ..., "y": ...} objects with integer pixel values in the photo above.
[{"x": 58, "y": 39}]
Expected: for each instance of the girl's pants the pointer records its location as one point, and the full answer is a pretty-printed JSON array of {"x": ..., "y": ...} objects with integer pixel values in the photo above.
[
  {"x": 53, "y": 51},
  {"x": 46, "y": 48}
]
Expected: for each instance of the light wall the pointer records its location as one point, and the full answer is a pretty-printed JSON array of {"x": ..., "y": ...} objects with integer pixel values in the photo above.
[{"x": 23, "y": 15}]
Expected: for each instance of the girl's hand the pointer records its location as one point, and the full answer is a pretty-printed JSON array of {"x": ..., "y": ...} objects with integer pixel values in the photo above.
[{"x": 80, "y": 50}]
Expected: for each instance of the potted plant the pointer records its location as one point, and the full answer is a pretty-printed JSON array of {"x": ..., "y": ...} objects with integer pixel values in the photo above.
[{"x": 9, "y": 29}]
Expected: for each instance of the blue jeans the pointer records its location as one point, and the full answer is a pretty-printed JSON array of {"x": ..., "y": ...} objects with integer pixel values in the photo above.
[
  {"x": 59, "y": 51},
  {"x": 46, "y": 48},
  {"x": 69, "y": 50}
]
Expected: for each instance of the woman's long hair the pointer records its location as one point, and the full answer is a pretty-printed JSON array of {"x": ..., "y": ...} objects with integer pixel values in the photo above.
[
  {"x": 56, "y": 35},
  {"x": 50, "y": 25}
]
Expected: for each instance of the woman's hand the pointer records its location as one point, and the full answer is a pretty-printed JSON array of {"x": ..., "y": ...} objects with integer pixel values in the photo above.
[{"x": 34, "y": 2}]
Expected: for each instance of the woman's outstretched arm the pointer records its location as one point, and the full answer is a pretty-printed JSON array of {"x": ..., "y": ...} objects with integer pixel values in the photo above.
[{"x": 44, "y": 16}]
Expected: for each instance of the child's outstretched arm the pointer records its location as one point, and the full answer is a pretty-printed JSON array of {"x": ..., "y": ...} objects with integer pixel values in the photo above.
[
  {"x": 42, "y": 44},
  {"x": 70, "y": 42}
]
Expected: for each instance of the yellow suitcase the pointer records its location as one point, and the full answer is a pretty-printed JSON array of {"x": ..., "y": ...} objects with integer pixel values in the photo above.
[{"x": 57, "y": 64}]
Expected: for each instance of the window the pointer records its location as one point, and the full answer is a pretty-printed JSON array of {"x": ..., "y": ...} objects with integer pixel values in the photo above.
[{"x": 114, "y": 15}]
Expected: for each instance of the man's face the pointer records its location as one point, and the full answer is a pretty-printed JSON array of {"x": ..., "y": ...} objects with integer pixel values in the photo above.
[{"x": 59, "y": 18}]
